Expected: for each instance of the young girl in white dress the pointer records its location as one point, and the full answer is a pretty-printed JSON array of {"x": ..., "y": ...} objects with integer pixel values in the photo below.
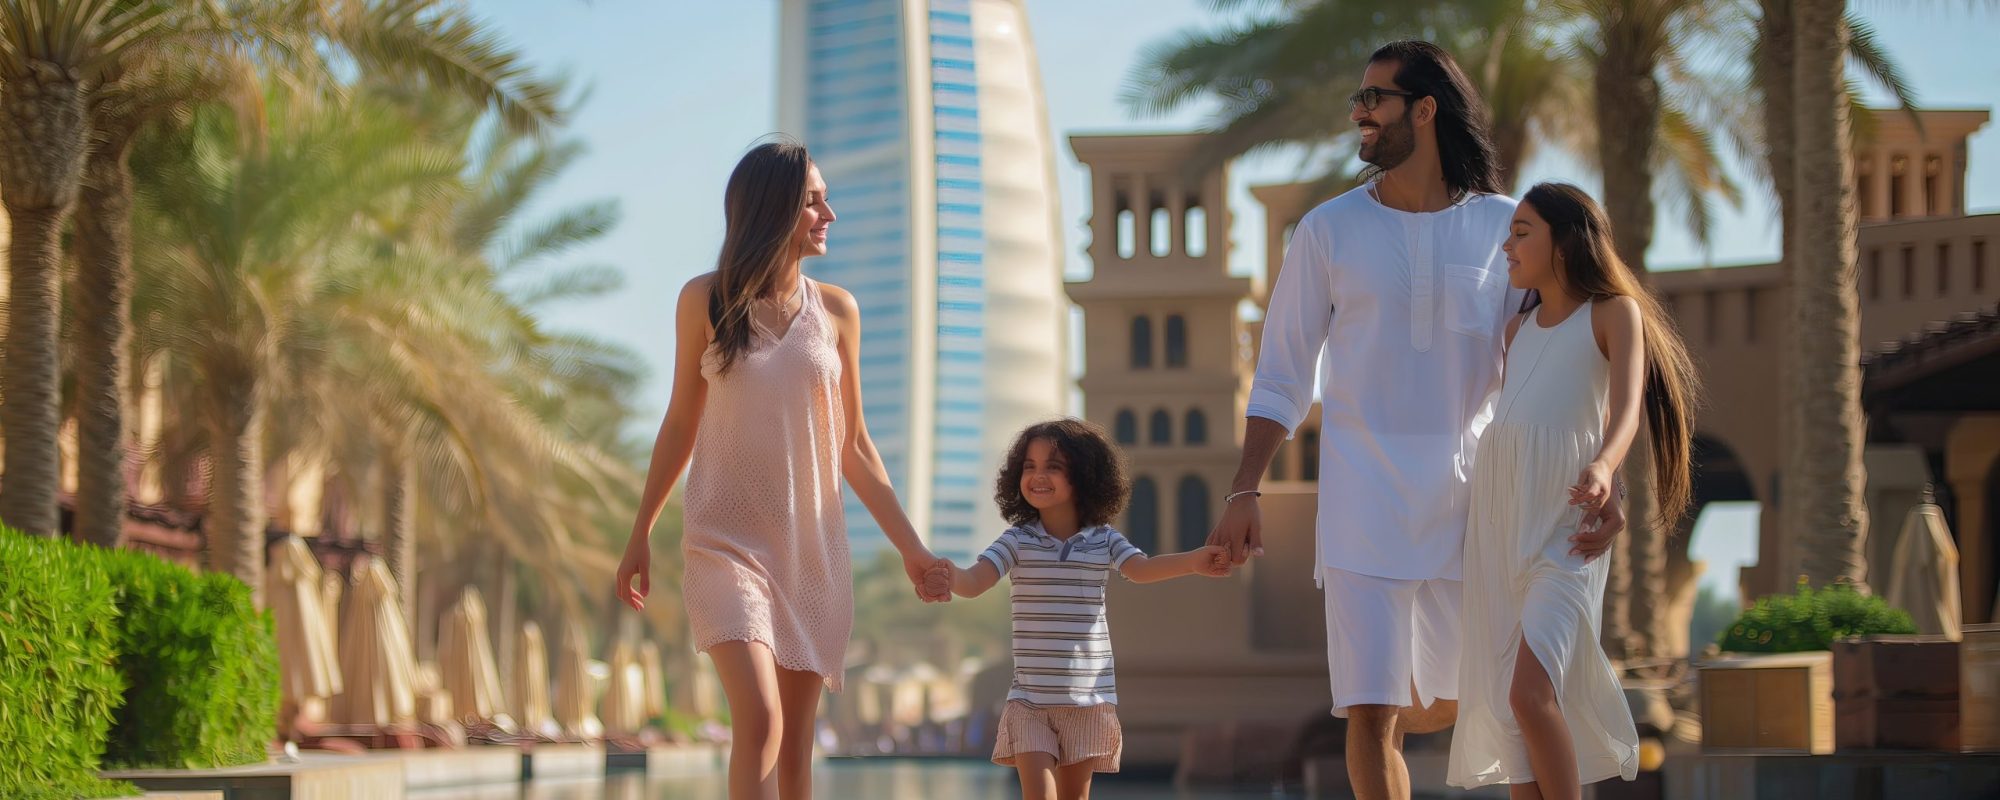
[{"x": 1591, "y": 357}]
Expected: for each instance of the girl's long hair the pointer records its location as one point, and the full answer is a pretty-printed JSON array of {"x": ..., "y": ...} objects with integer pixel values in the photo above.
[
  {"x": 761, "y": 209},
  {"x": 1590, "y": 268}
]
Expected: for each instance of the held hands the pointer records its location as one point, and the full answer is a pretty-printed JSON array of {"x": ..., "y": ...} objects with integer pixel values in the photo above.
[
  {"x": 1212, "y": 561},
  {"x": 1602, "y": 521},
  {"x": 1240, "y": 532},
  {"x": 919, "y": 566},
  {"x": 939, "y": 578},
  {"x": 1593, "y": 487}
]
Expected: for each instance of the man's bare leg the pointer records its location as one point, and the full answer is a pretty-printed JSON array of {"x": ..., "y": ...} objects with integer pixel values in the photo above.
[
  {"x": 1418, "y": 719},
  {"x": 1375, "y": 767}
]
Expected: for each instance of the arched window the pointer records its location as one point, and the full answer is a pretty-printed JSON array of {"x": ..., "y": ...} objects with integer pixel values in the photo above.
[
  {"x": 1128, "y": 232},
  {"x": 1194, "y": 231},
  {"x": 1191, "y": 510},
  {"x": 1309, "y": 456},
  {"x": 1126, "y": 428},
  {"x": 1163, "y": 232},
  {"x": 1195, "y": 431},
  {"x": 1160, "y": 429},
  {"x": 1142, "y": 521},
  {"x": 1142, "y": 342},
  {"x": 1177, "y": 354}
]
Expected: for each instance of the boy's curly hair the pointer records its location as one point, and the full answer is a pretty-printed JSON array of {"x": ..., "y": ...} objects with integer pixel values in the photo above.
[{"x": 1095, "y": 467}]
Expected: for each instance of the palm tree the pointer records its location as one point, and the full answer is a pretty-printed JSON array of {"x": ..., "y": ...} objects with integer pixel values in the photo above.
[
  {"x": 205, "y": 58},
  {"x": 252, "y": 238},
  {"x": 1774, "y": 60},
  {"x": 1824, "y": 478},
  {"x": 51, "y": 53}
]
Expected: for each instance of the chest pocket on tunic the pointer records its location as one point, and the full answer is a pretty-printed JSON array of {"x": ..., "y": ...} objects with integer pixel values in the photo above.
[{"x": 1472, "y": 300}]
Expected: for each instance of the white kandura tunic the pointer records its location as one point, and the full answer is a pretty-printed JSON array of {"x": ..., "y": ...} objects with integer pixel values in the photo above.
[{"x": 1409, "y": 308}]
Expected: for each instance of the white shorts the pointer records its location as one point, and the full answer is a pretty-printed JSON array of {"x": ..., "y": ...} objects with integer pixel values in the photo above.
[{"x": 1383, "y": 634}]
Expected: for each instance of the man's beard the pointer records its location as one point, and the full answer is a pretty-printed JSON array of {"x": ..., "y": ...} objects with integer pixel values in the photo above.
[{"x": 1393, "y": 145}]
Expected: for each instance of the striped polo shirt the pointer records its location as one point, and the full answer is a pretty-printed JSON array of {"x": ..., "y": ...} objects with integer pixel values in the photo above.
[{"x": 1062, "y": 643}]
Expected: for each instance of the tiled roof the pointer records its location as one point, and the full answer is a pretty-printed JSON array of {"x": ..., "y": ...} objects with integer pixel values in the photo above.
[{"x": 1938, "y": 342}]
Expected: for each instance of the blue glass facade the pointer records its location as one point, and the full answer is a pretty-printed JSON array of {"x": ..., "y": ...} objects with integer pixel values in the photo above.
[
  {"x": 857, "y": 124},
  {"x": 959, "y": 468}
]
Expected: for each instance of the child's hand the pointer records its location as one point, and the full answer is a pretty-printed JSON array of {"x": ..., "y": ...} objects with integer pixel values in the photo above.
[
  {"x": 939, "y": 578},
  {"x": 918, "y": 566},
  {"x": 1593, "y": 487},
  {"x": 1213, "y": 561}
]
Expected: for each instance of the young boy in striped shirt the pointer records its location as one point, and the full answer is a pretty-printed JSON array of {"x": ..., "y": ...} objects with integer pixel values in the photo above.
[{"x": 1062, "y": 484}]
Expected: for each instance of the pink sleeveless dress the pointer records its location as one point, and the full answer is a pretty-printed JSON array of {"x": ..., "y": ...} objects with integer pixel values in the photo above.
[{"x": 765, "y": 542}]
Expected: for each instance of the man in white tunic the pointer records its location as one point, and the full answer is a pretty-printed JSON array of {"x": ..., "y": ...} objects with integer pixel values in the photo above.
[{"x": 1403, "y": 284}]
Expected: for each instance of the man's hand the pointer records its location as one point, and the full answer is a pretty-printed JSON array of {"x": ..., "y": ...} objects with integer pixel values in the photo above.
[
  {"x": 1241, "y": 529},
  {"x": 1595, "y": 533}
]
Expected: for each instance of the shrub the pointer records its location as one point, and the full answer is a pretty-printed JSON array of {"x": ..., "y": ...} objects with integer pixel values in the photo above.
[
  {"x": 117, "y": 657},
  {"x": 1811, "y": 619},
  {"x": 58, "y": 685},
  {"x": 200, "y": 663}
]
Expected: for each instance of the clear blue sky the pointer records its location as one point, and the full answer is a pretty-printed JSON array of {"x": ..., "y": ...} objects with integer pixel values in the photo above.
[{"x": 678, "y": 89}]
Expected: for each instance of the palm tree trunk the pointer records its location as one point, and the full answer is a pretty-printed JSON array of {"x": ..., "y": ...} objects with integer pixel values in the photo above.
[
  {"x": 1628, "y": 100},
  {"x": 1824, "y": 479},
  {"x": 104, "y": 303},
  {"x": 1510, "y": 143},
  {"x": 1649, "y": 610},
  {"x": 505, "y": 590},
  {"x": 235, "y": 520},
  {"x": 399, "y": 539},
  {"x": 41, "y": 162},
  {"x": 1774, "y": 77}
]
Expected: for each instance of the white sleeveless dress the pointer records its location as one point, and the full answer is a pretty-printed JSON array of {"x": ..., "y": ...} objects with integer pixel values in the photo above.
[{"x": 1521, "y": 583}]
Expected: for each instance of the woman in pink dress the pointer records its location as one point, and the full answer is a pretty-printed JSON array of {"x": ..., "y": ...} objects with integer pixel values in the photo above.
[{"x": 767, "y": 406}]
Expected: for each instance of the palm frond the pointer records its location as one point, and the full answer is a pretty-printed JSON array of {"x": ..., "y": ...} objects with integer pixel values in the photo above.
[
  {"x": 572, "y": 227},
  {"x": 447, "y": 46},
  {"x": 1866, "y": 51}
]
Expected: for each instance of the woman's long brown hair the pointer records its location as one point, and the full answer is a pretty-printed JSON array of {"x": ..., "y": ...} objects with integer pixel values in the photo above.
[
  {"x": 767, "y": 190},
  {"x": 1590, "y": 268}
]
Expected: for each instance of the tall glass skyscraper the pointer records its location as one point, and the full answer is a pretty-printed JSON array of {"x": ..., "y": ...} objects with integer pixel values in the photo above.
[{"x": 926, "y": 119}]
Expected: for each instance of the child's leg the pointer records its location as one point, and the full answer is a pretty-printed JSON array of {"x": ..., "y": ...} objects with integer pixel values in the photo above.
[
  {"x": 798, "y": 696},
  {"x": 1073, "y": 780},
  {"x": 1550, "y": 752},
  {"x": 750, "y": 681},
  {"x": 1038, "y": 775}
]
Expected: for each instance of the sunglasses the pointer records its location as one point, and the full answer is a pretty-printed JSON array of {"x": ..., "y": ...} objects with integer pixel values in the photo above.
[{"x": 1371, "y": 97}]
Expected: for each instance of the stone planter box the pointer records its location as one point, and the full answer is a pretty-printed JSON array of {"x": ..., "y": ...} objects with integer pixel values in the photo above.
[
  {"x": 1768, "y": 703},
  {"x": 1979, "y": 689},
  {"x": 1896, "y": 693}
]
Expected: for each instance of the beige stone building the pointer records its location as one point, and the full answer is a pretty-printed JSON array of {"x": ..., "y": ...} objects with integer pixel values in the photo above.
[
  {"x": 1169, "y": 361},
  {"x": 1169, "y": 358}
]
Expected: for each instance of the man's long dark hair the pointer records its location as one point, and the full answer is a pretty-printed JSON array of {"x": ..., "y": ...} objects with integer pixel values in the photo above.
[{"x": 1465, "y": 147}]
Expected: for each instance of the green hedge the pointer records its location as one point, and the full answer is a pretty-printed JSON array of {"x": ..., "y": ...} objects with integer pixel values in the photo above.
[
  {"x": 58, "y": 681},
  {"x": 1811, "y": 619},
  {"x": 201, "y": 664},
  {"x": 116, "y": 657}
]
